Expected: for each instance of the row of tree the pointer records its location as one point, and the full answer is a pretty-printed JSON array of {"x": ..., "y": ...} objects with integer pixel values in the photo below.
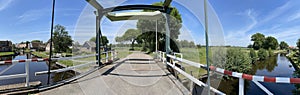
[
  {"x": 262, "y": 42},
  {"x": 145, "y": 33}
]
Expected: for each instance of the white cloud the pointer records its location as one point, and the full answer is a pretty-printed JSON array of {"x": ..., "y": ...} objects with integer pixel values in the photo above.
[
  {"x": 239, "y": 37},
  {"x": 86, "y": 26},
  {"x": 5, "y": 4},
  {"x": 31, "y": 15},
  {"x": 294, "y": 16},
  {"x": 278, "y": 11}
]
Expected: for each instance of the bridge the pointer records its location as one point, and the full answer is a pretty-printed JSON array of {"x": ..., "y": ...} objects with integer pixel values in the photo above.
[{"x": 137, "y": 73}]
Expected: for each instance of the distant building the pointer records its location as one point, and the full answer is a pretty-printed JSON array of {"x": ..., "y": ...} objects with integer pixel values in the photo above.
[
  {"x": 21, "y": 45},
  {"x": 5, "y": 46},
  {"x": 38, "y": 46},
  {"x": 89, "y": 46},
  {"x": 47, "y": 48},
  {"x": 292, "y": 47}
]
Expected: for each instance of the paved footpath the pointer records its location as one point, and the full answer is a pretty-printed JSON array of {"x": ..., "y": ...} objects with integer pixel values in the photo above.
[{"x": 137, "y": 74}]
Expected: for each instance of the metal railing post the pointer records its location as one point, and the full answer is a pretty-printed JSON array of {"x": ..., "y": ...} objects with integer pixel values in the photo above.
[
  {"x": 106, "y": 54},
  {"x": 191, "y": 84},
  {"x": 27, "y": 74},
  {"x": 163, "y": 57},
  {"x": 116, "y": 54},
  {"x": 160, "y": 58},
  {"x": 241, "y": 86},
  {"x": 112, "y": 54}
]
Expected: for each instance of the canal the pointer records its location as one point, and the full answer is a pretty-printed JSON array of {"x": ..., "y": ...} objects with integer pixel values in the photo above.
[
  {"x": 276, "y": 66},
  {"x": 19, "y": 68}
]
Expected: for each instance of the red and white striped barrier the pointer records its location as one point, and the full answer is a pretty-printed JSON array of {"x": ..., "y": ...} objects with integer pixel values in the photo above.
[
  {"x": 24, "y": 60},
  {"x": 255, "y": 77}
]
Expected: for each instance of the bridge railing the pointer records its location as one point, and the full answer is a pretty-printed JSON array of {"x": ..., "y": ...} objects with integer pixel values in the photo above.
[
  {"x": 109, "y": 55},
  {"x": 180, "y": 59},
  {"x": 256, "y": 79}
]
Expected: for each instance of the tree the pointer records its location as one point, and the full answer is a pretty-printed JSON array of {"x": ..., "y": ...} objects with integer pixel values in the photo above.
[
  {"x": 283, "y": 45},
  {"x": 38, "y": 41},
  {"x": 105, "y": 41},
  {"x": 237, "y": 60},
  {"x": 61, "y": 39},
  {"x": 270, "y": 52},
  {"x": 253, "y": 55},
  {"x": 262, "y": 54},
  {"x": 150, "y": 26},
  {"x": 27, "y": 44},
  {"x": 258, "y": 39},
  {"x": 130, "y": 35},
  {"x": 93, "y": 39},
  {"x": 298, "y": 45},
  {"x": 270, "y": 42},
  {"x": 119, "y": 39}
]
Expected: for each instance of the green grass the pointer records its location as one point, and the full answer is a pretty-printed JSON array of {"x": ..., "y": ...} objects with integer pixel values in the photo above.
[
  {"x": 41, "y": 54},
  {"x": 66, "y": 62},
  {"x": 72, "y": 63},
  {"x": 122, "y": 52},
  {"x": 6, "y": 53}
]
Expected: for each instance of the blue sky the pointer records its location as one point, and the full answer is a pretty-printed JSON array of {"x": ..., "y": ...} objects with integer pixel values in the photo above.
[{"x": 23, "y": 20}]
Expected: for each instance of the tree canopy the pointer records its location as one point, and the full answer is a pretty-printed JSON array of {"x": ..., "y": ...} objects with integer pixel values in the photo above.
[
  {"x": 148, "y": 27},
  {"x": 61, "y": 39},
  {"x": 105, "y": 41},
  {"x": 243, "y": 64},
  {"x": 270, "y": 42},
  {"x": 298, "y": 44},
  {"x": 258, "y": 39},
  {"x": 283, "y": 45}
]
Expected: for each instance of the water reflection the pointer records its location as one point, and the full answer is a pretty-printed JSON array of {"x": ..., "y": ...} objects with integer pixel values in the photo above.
[
  {"x": 277, "y": 66},
  {"x": 268, "y": 65},
  {"x": 19, "y": 68}
]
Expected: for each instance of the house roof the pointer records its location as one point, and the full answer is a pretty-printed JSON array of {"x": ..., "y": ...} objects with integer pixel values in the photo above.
[{"x": 91, "y": 43}]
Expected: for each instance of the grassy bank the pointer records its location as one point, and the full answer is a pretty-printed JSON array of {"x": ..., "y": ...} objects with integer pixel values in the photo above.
[
  {"x": 6, "y": 53},
  {"x": 294, "y": 58},
  {"x": 41, "y": 54}
]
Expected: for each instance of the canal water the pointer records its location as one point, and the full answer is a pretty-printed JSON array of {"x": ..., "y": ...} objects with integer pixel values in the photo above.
[
  {"x": 277, "y": 66},
  {"x": 19, "y": 68}
]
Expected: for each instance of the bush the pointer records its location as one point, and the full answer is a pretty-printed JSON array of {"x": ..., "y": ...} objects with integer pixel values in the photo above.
[
  {"x": 253, "y": 54},
  {"x": 270, "y": 52},
  {"x": 262, "y": 54},
  {"x": 237, "y": 60}
]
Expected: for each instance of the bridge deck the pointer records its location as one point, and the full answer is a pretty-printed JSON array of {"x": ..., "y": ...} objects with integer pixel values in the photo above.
[{"x": 137, "y": 74}]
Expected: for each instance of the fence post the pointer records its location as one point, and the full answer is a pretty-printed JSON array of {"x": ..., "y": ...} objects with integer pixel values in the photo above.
[
  {"x": 106, "y": 54},
  {"x": 191, "y": 84},
  {"x": 163, "y": 57},
  {"x": 27, "y": 74},
  {"x": 116, "y": 54},
  {"x": 241, "y": 86},
  {"x": 160, "y": 57},
  {"x": 112, "y": 54}
]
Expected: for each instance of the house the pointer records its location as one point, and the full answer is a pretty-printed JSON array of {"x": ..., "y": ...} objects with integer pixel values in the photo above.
[
  {"x": 21, "y": 45},
  {"x": 89, "y": 46},
  {"x": 5, "y": 46},
  {"x": 47, "y": 48},
  {"x": 37, "y": 46}
]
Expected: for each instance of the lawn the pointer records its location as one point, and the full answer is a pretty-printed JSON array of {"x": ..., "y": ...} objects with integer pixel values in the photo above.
[
  {"x": 6, "y": 53},
  {"x": 122, "y": 52},
  {"x": 41, "y": 54}
]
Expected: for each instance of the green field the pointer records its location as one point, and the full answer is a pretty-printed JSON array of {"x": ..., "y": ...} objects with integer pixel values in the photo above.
[
  {"x": 41, "y": 54},
  {"x": 6, "y": 53}
]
